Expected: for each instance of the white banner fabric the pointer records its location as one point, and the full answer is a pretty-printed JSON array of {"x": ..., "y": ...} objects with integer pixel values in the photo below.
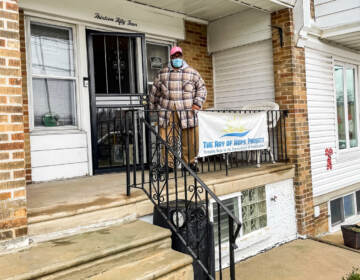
[{"x": 231, "y": 132}]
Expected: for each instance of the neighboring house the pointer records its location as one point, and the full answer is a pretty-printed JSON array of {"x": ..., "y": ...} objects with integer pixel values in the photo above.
[
  {"x": 331, "y": 38},
  {"x": 78, "y": 59}
]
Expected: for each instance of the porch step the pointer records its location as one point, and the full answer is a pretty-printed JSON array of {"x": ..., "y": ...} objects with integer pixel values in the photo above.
[
  {"x": 164, "y": 264},
  {"x": 136, "y": 250},
  {"x": 60, "y": 208}
]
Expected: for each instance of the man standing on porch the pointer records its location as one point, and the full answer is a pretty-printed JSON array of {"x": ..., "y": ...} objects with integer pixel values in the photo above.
[{"x": 178, "y": 92}]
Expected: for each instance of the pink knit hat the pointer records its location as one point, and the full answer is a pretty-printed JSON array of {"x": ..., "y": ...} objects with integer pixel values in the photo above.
[{"x": 175, "y": 50}]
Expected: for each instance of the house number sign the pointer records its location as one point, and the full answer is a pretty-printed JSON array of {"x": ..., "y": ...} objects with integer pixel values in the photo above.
[{"x": 118, "y": 20}]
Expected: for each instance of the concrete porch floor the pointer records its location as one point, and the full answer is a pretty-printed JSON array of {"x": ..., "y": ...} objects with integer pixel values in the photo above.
[
  {"x": 81, "y": 197},
  {"x": 299, "y": 260},
  {"x": 105, "y": 189}
]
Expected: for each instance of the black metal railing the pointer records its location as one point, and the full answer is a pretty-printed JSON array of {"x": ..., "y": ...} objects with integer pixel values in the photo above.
[
  {"x": 161, "y": 168},
  {"x": 181, "y": 141}
]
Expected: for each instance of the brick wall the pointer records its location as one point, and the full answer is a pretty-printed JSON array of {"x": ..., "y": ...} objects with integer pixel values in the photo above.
[
  {"x": 290, "y": 94},
  {"x": 196, "y": 55},
  {"x": 13, "y": 216},
  {"x": 321, "y": 223},
  {"x": 25, "y": 98}
]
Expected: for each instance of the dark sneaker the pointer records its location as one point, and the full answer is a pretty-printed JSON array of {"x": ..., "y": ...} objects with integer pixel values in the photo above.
[{"x": 193, "y": 167}]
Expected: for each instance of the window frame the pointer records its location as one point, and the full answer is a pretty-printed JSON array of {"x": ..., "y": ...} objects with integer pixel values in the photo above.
[
  {"x": 347, "y": 151},
  {"x": 161, "y": 43},
  {"x": 76, "y": 78},
  {"x": 241, "y": 236},
  {"x": 352, "y": 219}
]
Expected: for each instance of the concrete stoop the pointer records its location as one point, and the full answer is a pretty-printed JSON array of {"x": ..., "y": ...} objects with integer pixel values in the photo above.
[{"x": 135, "y": 250}]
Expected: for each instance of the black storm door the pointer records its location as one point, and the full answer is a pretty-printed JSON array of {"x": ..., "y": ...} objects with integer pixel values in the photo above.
[{"x": 118, "y": 83}]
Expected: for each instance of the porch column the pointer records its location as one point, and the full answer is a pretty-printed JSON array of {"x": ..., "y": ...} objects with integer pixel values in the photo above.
[
  {"x": 13, "y": 215},
  {"x": 290, "y": 94}
]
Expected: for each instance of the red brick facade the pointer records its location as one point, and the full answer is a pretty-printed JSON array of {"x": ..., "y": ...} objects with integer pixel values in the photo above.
[
  {"x": 13, "y": 214},
  {"x": 196, "y": 55},
  {"x": 322, "y": 221},
  {"x": 290, "y": 94}
]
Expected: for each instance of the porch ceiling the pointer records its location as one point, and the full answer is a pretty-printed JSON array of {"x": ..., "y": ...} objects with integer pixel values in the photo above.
[
  {"x": 210, "y": 10},
  {"x": 349, "y": 40}
]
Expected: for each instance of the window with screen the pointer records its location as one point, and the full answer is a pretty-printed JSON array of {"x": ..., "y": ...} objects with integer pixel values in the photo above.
[{"x": 53, "y": 75}]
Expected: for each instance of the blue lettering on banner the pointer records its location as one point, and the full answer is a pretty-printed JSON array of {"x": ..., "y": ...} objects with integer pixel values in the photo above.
[
  {"x": 219, "y": 144},
  {"x": 208, "y": 145},
  {"x": 256, "y": 140},
  {"x": 239, "y": 142}
]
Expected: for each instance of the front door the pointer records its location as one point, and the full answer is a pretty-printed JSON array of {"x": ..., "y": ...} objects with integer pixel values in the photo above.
[{"x": 118, "y": 82}]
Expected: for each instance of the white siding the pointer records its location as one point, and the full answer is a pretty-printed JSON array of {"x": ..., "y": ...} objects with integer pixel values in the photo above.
[
  {"x": 323, "y": 127},
  {"x": 244, "y": 74},
  {"x": 237, "y": 30},
  {"x": 58, "y": 156},
  {"x": 332, "y": 13}
]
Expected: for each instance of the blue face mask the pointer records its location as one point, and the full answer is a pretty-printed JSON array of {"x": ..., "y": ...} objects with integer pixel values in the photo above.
[{"x": 177, "y": 62}]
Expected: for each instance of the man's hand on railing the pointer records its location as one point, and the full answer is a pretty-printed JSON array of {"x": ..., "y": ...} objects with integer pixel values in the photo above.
[{"x": 195, "y": 107}]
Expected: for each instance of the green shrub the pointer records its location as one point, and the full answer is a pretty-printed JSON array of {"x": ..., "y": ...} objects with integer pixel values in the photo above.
[{"x": 354, "y": 275}]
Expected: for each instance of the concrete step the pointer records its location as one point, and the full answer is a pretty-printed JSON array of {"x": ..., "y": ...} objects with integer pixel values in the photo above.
[
  {"x": 92, "y": 254},
  {"x": 163, "y": 264}
]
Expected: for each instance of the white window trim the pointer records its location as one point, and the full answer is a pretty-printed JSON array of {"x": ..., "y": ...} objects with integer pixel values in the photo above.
[
  {"x": 59, "y": 129},
  {"x": 350, "y": 220},
  {"x": 348, "y": 153}
]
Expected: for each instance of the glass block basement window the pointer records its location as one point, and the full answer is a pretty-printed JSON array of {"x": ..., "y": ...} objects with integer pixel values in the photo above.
[
  {"x": 249, "y": 207},
  {"x": 253, "y": 209}
]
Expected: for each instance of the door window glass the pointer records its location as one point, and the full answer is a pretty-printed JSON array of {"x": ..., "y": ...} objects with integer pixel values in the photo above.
[
  {"x": 157, "y": 58},
  {"x": 115, "y": 64}
]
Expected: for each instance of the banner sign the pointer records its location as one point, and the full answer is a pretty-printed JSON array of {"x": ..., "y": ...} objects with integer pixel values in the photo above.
[{"x": 231, "y": 132}]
